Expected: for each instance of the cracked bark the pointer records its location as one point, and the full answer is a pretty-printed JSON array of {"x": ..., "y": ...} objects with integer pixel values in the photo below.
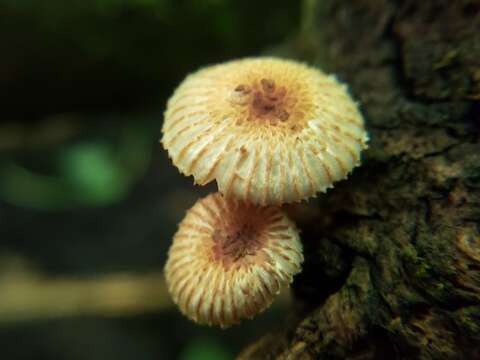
[{"x": 392, "y": 255}]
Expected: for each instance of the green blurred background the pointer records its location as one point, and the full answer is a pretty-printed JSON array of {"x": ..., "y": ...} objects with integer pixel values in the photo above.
[{"x": 88, "y": 199}]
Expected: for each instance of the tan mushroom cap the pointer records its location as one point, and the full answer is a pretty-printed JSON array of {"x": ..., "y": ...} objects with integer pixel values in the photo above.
[
  {"x": 269, "y": 131},
  {"x": 229, "y": 259}
]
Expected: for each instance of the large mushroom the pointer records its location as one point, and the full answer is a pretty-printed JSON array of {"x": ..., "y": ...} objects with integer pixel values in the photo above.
[{"x": 269, "y": 131}]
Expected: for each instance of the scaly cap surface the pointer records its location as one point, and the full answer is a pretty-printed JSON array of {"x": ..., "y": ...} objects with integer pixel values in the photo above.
[
  {"x": 269, "y": 131},
  {"x": 229, "y": 259}
]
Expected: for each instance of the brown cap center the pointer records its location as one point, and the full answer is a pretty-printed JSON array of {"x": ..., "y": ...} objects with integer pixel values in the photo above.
[
  {"x": 264, "y": 99},
  {"x": 235, "y": 243}
]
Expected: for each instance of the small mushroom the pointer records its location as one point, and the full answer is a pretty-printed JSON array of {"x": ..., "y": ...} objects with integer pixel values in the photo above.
[
  {"x": 269, "y": 131},
  {"x": 229, "y": 259}
]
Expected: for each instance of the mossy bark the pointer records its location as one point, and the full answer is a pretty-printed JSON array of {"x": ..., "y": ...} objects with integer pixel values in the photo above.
[{"x": 392, "y": 255}]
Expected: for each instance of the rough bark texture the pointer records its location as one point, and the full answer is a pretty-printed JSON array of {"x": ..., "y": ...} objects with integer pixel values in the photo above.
[{"x": 392, "y": 264}]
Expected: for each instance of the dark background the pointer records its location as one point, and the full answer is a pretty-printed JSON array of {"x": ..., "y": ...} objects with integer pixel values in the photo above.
[{"x": 86, "y": 191}]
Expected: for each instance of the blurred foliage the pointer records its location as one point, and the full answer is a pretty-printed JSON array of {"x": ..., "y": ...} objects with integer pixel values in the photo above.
[
  {"x": 205, "y": 349},
  {"x": 85, "y": 173}
]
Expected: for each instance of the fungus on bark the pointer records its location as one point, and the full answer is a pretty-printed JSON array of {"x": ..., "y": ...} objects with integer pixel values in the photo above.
[
  {"x": 269, "y": 131},
  {"x": 229, "y": 259}
]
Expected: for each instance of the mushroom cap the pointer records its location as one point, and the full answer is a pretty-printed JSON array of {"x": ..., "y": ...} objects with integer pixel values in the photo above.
[
  {"x": 269, "y": 131},
  {"x": 229, "y": 259}
]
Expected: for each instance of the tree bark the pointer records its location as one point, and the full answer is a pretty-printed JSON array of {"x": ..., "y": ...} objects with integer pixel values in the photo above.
[{"x": 392, "y": 255}]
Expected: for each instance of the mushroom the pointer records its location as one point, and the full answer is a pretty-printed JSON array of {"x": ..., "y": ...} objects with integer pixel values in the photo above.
[
  {"x": 269, "y": 131},
  {"x": 230, "y": 258}
]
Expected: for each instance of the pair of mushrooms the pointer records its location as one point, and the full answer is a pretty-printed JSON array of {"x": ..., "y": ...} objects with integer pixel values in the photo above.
[{"x": 269, "y": 132}]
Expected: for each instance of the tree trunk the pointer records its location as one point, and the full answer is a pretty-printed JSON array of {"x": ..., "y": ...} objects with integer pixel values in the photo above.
[{"x": 392, "y": 255}]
